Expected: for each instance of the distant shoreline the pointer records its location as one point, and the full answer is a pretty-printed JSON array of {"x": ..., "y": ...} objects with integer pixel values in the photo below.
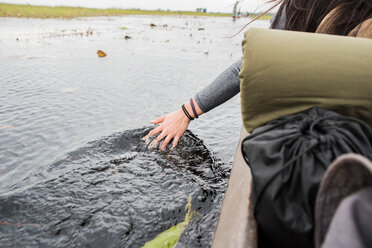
[{"x": 30, "y": 11}]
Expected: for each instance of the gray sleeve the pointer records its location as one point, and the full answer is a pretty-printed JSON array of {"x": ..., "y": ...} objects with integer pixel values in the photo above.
[
  {"x": 224, "y": 87},
  {"x": 227, "y": 84}
]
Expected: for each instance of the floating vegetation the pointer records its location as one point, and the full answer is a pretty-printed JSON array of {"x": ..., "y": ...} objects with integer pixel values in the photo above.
[
  {"x": 170, "y": 237},
  {"x": 101, "y": 53},
  {"x": 6, "y": 127},
  {"x": 89, "y": 32},
  {"x": 15, "y": 10},
  {"x": 19, "y": 224}
]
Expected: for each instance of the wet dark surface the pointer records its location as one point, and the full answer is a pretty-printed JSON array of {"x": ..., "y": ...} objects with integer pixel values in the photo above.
[
  {"x": 73, "y": 171},
  {"x": 114, "y": 192}
]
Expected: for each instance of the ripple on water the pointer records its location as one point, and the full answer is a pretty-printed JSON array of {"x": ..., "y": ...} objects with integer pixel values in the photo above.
[{"x": 114, "y": 192}]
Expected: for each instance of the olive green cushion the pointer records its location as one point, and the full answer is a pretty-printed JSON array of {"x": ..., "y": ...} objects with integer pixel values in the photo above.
[{"x": 284, "y": 72}]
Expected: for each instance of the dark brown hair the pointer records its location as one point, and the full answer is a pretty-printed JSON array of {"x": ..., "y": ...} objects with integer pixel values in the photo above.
[{"x": 306, "y": 15}]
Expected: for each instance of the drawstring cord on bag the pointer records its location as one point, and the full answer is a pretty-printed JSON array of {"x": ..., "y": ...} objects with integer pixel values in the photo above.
[
  {"x": 286, "y": 165},
  {"x": 313, "y": 143}
]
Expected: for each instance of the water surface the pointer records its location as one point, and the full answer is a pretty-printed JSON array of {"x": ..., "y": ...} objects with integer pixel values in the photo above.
[{"x": 71, "y": 161}]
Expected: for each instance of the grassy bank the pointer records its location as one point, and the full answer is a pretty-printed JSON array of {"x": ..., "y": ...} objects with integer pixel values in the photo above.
[
  {"x": 15, "y": 10},
  {"x": 28, "y": 11},
  {"x": 264, "y": 17}
]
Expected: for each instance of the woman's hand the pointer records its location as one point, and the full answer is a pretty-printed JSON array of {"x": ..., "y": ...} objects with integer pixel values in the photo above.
[{"x": 173, "y": 126}]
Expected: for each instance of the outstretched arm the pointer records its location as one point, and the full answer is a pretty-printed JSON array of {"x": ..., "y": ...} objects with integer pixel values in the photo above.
[
  {"x": 173, "y": 125},
  {"x": 223, "y": 88}
]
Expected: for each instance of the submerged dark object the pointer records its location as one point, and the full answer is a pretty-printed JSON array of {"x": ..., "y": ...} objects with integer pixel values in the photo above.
[
  {"x": 114, "y": 192},
  {"x": 288, "y": 157}
]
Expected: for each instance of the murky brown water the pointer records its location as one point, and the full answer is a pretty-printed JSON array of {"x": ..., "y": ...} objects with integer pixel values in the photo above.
[{"x": 71, "y": 161}]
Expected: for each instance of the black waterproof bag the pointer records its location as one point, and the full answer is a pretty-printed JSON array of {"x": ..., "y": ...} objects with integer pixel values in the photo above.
[{"x": 288, "y": 157}]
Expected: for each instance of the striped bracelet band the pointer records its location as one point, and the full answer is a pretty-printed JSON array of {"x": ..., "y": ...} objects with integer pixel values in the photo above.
[
  {"x": 193, "y": 108},
  {"x": 187, "y": 113}
]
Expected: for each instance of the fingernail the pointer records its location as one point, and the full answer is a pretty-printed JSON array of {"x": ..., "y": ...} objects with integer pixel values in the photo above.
[
  {"x": 146, "y": 139},
  {"x": 153, "y": 144},
  {"x": 161, "y": 147}
]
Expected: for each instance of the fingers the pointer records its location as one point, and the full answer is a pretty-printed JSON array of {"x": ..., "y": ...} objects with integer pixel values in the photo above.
[
  {"x": 175, "y": 141},
  {"x": 172, "y": 126},
  {"x": 161, "y": 136},
  {"x": 163, "y": 145},
  {"x": 155, "y": 131},
  {"x": 158, "y": 120},
  {"x": 165, "y": 142},
  {"x": 146, "y": 139},
  {"x": 153, "y": 144}
]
